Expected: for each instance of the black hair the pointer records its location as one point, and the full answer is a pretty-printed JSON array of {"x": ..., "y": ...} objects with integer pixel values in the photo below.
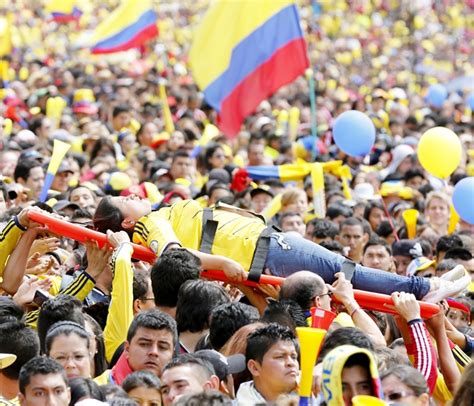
[
  {"x": 65, "y": 328},
  {"x": 211, "y": 148},
  {"x": 153, "y": 319},
  {"x": 284, "y": 312},
  {"x": 345, "y": 335},
  {"x": 384, "y": 229},
  {"x": 196, "y": 299},
  {"x": 107, "y": 216},
  {"x": 179, "y": 154},
  {"x": 205, "y": 398},
  {"x": 288, "y": 214},
  {"x": 413, "y": 173},
  {"x": 324, "y": 228},
  {"x": 139, "y": 379},
  {"x": 458, "y": 253},
  {"x": 351, "y": 222},
  {"x": 262, "y": 339},
  {"x": 226, "y": 319},
  {"x": 202, "y": 366},
  {"x": 336, "y": 209},
  {"x": 332, "y": 245},
  {"x": 122, "y": 108},
  {"x": 446, "y": 265},
  {"x": 303, "y": 291},
  {"x": 446, "y": 242},
  {"x": 100, "y": 363},
  {"x": 140, "y": 284},
  {"x": 9, "y": 310},
  {"x": 39, "y": 366},
  {"x": 378, "y": 241},
  {"x": 58, "y": 308},
  {"x": 17, "y": 339},
  {"x": 170, "y": 271},
  {"x": 24, "y": 167},
  {"x": 85, "y": 388}
]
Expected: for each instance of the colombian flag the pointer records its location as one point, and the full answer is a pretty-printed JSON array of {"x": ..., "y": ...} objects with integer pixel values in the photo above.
[
  {"x": 129, "y": 26},
  {"x": 243, "y": 51},
  {"x": 63, "y": 11},
  {"x": 287, "y": 172}
]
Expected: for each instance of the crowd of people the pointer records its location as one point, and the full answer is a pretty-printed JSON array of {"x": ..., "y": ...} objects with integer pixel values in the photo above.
[{"x": 88, "y": 325}]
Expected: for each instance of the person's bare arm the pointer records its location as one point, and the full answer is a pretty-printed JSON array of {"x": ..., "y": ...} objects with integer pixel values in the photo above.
[{"x": 342, "y": 291}]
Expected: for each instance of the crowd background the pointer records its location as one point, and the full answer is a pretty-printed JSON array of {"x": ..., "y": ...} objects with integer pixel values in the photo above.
[{"x": 131, "y": 139}]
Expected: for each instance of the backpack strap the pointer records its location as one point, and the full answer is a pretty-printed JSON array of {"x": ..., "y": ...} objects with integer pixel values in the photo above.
[{"x": 209, "y": 229}]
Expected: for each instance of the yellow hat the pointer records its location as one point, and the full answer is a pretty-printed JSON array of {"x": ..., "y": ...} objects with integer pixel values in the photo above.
[{"x": 6, "y": 360}]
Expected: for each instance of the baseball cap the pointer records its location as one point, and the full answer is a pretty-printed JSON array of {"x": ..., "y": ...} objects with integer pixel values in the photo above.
[
  {"x": 419, "y": 264},
  {"x": 63, "y": 204},
  {"x": 261, "y": 189},
  {"x": 6, "y": 360},
  {"x": 223, "y": 365},
  {"x": 407, "y": 248}
]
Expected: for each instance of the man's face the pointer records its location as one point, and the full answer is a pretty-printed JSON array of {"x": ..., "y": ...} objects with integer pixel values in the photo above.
[
  {"x": 149, "y": 350},
  {"x": 46, "y": 390},
  {"x": 354, "y": 238},
  {"x": 401, "y": 263},
  {"x": 61, "y": 181},
  {"x": 260, "y": 201},
  {"x": 35, "y": 181},
  {"x": 279, "y": 367},
  {"x": 121, "y": 120},
  {"x": 256, "y": 154},
  {"x": 355, "y": 381},
  {"x": 293, "y": 223},
  {"x": 376, "y": 256},
  {"x": 179, "y": 381},
  {"x": 181, "y": 167}
]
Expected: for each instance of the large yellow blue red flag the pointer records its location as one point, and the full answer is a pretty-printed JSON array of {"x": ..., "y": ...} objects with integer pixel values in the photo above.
[
  {"x": 243, "y": 51},
  {"x": 129, "y": 26},
  {"x": 63, "y": 11}
]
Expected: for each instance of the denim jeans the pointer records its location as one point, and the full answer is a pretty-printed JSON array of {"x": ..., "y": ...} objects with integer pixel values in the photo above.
[{"x": 289, "y": 253}]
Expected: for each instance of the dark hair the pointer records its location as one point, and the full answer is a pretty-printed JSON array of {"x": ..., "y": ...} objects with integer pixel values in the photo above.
[
  {"x": 101, "y": 142},
  {"x": 65, "y": 328},
  {"x": 199, "y": 364},
  {"x": 17, "y": 339},
  {"x": 378, "y": 241},
  {"x": 170, "y": 271},
  {"x": 446, "y": 265},
  {"x": 302, "y": 291},
  {"x": 458, "y": 253},
  {"x": 465, "y": 392},
  {"x": 205, "y": 398},
  {"x": 122, "y": 108},
  {"x": 107, "y": 216},
  {"x": 227, "y": 318},
  {"x": 384, "y": 229},
  {"x": 140, "y": 379},
  {"x": 413, "y": 173},
  {"x": 332, "y": 245},
  {"x": 100, "y": 363},
  {"x": 411, "y": 377},
  {"x": 336, "y": 209},
  {"x": 345, "y": 335},
  {"x": 371, "y": 206},
  {"x": 153, "y": 319},
  {"x": 9, "y": 310},
  {"x": 284, "y": 312},
  {"x": 85, "y": 388},
  {"x": 324, "y": 228},
  {"x": 196, "y": 299},
  {"x": 58, "y": 308},
  {"x": 351, "y": 222},
  {"x": 209, "y": 152},
  {"x": 283, "y": 216},
  {"x": 24, "y": 167},
  {"x": 262, "y": 339},
  {"x": 39, "y": 366},
  {"x": 179, "y": 154},
  {"x": 140, "y": 284},
  {"x": 446, "y": 242}
]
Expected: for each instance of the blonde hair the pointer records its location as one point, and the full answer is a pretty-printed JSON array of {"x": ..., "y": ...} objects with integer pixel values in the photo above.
[
  {"x": 437, "y": 195},
  {"x": 290, "y": 196}
]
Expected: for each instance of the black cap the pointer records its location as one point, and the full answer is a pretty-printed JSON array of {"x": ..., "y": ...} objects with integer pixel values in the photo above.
[{"x": 223, "y": 365}]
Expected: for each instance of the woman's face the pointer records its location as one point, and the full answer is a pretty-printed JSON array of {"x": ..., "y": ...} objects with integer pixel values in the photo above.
[
  {"x": 299, "y": 205},
  {"x": 376, "y": 216},
  {"x": 145, "y": 396},
  {"x": 148, "y": 134},
  {"x": 176, "y": 141},
  {"x": 437, "y": 212},
  {"x": 83, "y": 197},
  {"x": 217, "y": 159},
  {"x": 396, "y": 391},
  {"x": 128, "y": 143},
  {"x": 73, "y": 353}
]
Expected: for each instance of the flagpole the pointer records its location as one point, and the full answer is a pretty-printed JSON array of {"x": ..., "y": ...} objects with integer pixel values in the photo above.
[{"x": 312, "y": 99}]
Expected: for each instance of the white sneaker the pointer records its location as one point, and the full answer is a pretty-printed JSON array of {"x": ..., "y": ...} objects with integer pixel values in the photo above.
[
  {"x": 447, "y": 288},
  {"x": 454, "y": 274}
]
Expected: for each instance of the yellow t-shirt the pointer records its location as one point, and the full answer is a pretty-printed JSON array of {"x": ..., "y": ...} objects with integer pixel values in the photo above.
[{"x": 236, "y": 236}]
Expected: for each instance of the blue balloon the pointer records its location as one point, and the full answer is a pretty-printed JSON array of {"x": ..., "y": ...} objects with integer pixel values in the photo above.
[
  {"x": 437, "y": 95},
  {"x": 470, "y": 101},
  {"x": 463, "y": 199},
  {"x": 354, "y": 133}
]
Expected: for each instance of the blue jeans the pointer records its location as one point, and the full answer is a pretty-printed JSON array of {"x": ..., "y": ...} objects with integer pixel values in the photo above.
[{"x": 290, "y": 253}]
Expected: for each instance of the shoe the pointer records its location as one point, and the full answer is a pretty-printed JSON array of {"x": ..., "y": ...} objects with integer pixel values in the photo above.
[
  {"x": 446, "y": 289},
  {"x": 454, "y": 274}
]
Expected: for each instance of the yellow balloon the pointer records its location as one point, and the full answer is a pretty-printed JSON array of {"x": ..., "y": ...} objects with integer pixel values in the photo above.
[{"x": 440, "y": 151}]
